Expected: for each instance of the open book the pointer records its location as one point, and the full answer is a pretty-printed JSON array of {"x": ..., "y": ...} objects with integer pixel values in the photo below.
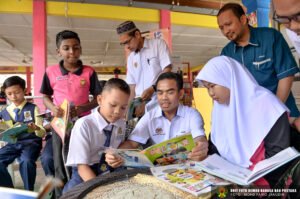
[
  {"x": 62, "y": 124},
  {"x": 187, "y": 177},
  {"x": 173, "y": 151},
  {"x": 11, "y": 134},
  {"x": 222, "y": 168}
]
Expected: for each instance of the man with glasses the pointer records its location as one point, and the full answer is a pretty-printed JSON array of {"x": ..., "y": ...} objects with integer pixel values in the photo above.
[
  {"x": 288, "y": 14},
  {"x": 148, "y": 58},
  {"x": 263, "y": 51}
]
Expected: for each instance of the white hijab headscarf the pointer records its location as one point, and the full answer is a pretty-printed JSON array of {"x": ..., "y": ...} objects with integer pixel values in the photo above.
[{"x": 238, "y": 128}]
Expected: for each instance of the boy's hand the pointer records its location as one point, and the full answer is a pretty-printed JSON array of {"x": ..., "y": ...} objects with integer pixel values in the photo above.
[
  {"x": 113, "y": 160},
  {"x": 57, "y": 111},
  {"x": 32, "y": 127},
  {"x": 199, "y": 152}
]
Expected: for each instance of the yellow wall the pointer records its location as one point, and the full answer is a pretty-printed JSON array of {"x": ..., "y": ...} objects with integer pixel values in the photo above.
[{"x": 204, "y": 104}]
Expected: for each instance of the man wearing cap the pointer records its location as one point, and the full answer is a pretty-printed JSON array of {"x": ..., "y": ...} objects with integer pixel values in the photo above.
[{"x": 148, "y": 58}]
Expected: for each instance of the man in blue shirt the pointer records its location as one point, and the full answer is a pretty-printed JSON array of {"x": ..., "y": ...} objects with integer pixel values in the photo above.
[{"x": 263, "y": 51}]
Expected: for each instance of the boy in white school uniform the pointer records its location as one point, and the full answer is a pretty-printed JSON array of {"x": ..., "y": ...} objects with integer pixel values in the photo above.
[
  {"x": 104, "y": 127},
  {"x": 169, "y": 120}
]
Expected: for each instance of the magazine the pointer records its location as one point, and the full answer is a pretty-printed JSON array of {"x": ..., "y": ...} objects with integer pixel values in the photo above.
[
  {"x": 62, "y": 125},
  {"x": 136, "y": 109},
  {"x": 222, "y": 168},
  {"x": 172, "y": 151},
  {"x": 187, "y": 177},
  {"x": 11, "y": 134}
]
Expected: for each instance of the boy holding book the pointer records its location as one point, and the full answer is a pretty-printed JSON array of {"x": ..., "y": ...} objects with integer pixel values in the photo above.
[
  {"x": 29, "y": 144},
  {"x": 70, "y": 80},
  {"x": 169, "y": 120},
  {"x": 104, "y": 127}
]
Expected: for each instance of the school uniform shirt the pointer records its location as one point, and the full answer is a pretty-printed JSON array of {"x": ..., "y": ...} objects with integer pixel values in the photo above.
[
  {"x": 144, "y": 66},
  {"x": 156, "y": 126},
  {"x": 38, "y": 121},
  {"x": 295, "y": 39},
  {"x": 87, "y": 137},
  {"x": 73, "y": 86},
  {"x": 268, "y": 58}
]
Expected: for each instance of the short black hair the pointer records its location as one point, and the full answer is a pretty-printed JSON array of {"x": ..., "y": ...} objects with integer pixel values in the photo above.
[
  {"x": 171, "y": 76},
  {"x": 102, "y": 84},
  {"x": 14, "y": 80},
  {"x": 117, "y": 83},
  {"x": 66, "y": 34},
  {"x": 237, "y": 9}
]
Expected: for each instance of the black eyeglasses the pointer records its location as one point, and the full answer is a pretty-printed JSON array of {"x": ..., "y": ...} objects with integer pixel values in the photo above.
[
  {"x": 126, "y": 42},
  {"x": 285, "y": 19}
]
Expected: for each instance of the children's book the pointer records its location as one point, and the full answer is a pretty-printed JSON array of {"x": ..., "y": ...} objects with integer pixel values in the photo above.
[
  {"x": 222, "y": 168},
  {"x": 172, "y": 151},
  {"x": 62, "y": 124},
  {"x": 45, "y": 115},
  {"x": 136, "y": 109},
  {"x": 187, "y": 177},
  {"x": 11, "y": 134}
]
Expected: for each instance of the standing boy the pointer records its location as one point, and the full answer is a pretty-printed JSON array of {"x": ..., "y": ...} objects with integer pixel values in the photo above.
[
  {"x": 28, "y": 145},
  {"x": 104, "y": 127},
  {"x": 70, "y": 80}
]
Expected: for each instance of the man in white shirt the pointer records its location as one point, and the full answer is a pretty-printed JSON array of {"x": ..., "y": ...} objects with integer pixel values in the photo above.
[
  {"x": 288, "y": 14},
  {"x": 168, "y": 120},
  {"x": 147, "y": 60}
]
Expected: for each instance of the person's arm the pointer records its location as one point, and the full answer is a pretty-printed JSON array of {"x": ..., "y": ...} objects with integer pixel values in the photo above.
[
  {"x": 131, "y": 97},
  {"x": 78, "y": 110},
  {"x": 147, "y": 94},
  {"x": 56, "y": 110},
  {"x": 38, "y": 125},
  {"x": 85, "y": 172},
  {"x": 116, "y": 162},
  {"x": 284, "y": 88},
  {"x": 199, "y": 152}
]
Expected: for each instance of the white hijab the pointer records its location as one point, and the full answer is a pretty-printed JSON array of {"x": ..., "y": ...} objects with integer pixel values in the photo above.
[{"x": 238, "y": 128}]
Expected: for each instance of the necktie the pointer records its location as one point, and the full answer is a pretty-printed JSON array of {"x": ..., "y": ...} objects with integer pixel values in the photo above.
[
  {"x": 103, "y": 166},
  {"x": 16, "y": 114}
]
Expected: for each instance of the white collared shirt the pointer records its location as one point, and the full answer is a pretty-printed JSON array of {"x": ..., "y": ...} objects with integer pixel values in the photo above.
[
  {"x": 295, "y": 39},
  {"x": 87, "y": 136},
  {"x": 157, "y": 127},
  {"x": 145, "y": 66}
]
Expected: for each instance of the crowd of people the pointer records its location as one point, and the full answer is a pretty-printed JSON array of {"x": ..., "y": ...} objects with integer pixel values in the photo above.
[{"x": 254, "y": 114}]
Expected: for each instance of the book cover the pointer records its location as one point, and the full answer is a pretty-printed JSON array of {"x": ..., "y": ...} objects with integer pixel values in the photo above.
[
  {"x": 11, "y": 135},
  {"x": 222, "y": 168},
  {"x": 171, "y": 151},
  {"x": 136, "y": 109},
  {"x": 188, "y": 177},
  {"x": 174, "y": 150},
  {"x": 61, "y": 124}
]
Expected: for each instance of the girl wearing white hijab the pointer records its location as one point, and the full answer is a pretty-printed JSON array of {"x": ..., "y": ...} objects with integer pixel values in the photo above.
[{"x": 249, "y": 123}]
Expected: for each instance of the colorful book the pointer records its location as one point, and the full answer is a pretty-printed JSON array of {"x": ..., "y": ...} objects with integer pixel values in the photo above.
[
  {"x": 63, "y": 124},
  {"x": 136, "y": 109},
  {"x": 11, "y": 134},
  {"x": 188, "y": 177},
  {"x": 222, "y": 168},
  {"x": 172, "y": 151}
]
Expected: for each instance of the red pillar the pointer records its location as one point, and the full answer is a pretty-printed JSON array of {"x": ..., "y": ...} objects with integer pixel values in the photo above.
[
  {"x": 39, "y": 47},
  {"x": 28, "y": 79},
  {"x": 165, "y": 22}
]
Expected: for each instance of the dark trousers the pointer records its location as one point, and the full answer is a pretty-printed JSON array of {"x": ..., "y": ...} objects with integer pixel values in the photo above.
[
  {"x": 47, "y": 157},
  {"x": 27, "y": 154},
  {"x": 60, "y": 171}
]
